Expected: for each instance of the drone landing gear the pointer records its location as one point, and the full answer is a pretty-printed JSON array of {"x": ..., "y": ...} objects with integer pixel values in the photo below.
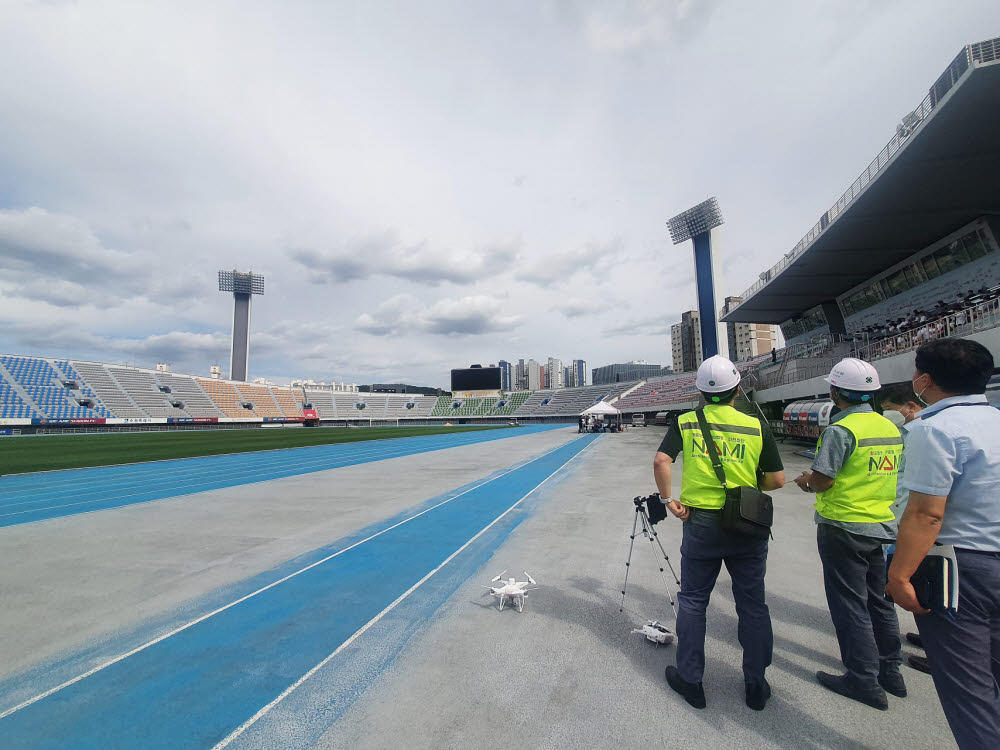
[{"x": 654, "y": 541}]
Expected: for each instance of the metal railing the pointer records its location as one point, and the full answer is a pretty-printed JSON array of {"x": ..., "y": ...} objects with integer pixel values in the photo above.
[
  {"x": 962, "y": 323},
  {"x": 904, "y": 130}
]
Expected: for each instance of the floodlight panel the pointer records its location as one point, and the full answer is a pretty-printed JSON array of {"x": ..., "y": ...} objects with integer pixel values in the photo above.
[
  {"x": 697, "y": 220},
  {"x": 241, "y": 282}
]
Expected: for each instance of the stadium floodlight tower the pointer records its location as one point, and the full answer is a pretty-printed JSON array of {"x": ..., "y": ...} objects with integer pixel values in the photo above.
[
  {"x": 696, "y": 224},
  {"x": 243, "y": 285}
]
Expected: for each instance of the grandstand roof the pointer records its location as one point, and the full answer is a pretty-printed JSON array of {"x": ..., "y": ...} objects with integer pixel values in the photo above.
[{"x": 937, "y": 174}]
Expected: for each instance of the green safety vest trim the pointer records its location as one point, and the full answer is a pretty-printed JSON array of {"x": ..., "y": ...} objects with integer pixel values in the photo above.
[
  {"x": 738, "y": 429},
  {"x": 738, "y": 440},
  {"x": 865, "y": 487}
]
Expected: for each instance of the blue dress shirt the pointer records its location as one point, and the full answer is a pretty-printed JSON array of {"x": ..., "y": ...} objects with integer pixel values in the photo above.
[{"x": 953, "y": 449}]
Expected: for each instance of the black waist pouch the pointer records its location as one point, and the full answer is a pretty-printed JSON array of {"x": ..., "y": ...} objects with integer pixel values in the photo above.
[{"x": 747, "y": 510}]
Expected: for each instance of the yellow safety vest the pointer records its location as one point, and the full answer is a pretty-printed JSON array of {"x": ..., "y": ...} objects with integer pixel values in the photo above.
[
  {"x": 865, "y": 487},
  {"x": 739, "y": 443}
]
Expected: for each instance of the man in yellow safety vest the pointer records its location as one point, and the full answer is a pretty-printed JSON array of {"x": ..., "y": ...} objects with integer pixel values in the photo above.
[
  {"x": 854, "y": 478},
  {"x": 746, "y": 448}
]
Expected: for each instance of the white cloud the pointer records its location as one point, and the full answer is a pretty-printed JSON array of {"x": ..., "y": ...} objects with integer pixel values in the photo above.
[
  {"x": 473, "y": 315},
  {"x": 575, "y": 308},
  {"x": 560, "y": 266},
  {"x": 385, "y": 255}
]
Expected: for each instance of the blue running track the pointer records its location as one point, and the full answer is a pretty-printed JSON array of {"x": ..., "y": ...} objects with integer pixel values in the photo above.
[
  {"x": 205, "y": 682},
  {"x": 26, "y": 498}
]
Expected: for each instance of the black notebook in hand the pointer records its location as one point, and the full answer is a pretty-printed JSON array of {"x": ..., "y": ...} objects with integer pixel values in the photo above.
[{"x": 935, "y": 582}]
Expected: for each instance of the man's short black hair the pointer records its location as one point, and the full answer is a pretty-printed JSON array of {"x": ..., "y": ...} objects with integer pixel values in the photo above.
[
  {"x": 897, "y": 393},
  {"x": 958, "y": 366}
]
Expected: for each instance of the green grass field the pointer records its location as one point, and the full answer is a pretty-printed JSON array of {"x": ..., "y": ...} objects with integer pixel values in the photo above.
[{"x": 48, "y": 452}]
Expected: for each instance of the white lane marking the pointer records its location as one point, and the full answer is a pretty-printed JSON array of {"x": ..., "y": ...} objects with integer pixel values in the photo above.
[
  {"x": 242, "y": 599},
  {"x": 358, "y": 633}
]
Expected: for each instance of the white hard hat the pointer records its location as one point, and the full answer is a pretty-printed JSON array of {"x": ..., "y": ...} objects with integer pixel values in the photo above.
[
  {"x": 717, "y": 375},
  {"x": 854, "y": 375}
]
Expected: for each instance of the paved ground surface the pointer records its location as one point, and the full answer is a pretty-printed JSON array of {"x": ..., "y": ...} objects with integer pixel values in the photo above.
[{"x": 443, "y": 668}]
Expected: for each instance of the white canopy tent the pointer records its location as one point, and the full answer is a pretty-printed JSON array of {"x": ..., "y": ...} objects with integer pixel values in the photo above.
[{"x": 599, "y": 410}]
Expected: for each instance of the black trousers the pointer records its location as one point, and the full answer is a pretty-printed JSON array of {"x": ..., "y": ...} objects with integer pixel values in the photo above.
[
  {"x": 867, "y": 629},
  {"x": 964, "y": 653},
  {"x": 704, "y": 548}
]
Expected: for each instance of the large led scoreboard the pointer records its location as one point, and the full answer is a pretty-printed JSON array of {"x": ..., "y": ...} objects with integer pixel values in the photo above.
[{"x": 475, "y": 378}]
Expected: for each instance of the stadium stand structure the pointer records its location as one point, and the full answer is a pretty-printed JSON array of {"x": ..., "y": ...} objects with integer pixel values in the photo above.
[
  {"x": 34, "y": 389},
  {"x": 908, "y": 254}
]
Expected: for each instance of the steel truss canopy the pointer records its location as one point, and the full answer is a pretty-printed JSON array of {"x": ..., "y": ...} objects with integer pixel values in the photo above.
[
  {"x": 697, "y": 220},
  {"x": 939, "y": 172},
  {"x": 241, "y": 282}
]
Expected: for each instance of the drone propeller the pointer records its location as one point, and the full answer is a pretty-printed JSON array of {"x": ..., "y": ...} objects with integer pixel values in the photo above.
[
  {"x": 530, "y": 579},
  {"x": 497, "y": 578}
]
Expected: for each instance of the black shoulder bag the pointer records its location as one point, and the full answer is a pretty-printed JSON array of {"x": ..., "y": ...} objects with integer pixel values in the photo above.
[{"x": 747, "y": 510}]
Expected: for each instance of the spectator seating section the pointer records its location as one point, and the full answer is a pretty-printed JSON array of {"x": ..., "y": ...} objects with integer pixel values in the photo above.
[
  {"x": 530, "y": 404},
  {"x": 35, "y": 389},
  {"x": 260, "y": 396},
  {"x": 11, "y": 405},
  {"x": 572, "y": 401},
  {"x": 289, "y": 402},
  {"x": 142, "y": 388},
  {"x": 508, "y": 404},
  {"x": 662, "y": 392},
  {"x": 347, "y": 405},
  {"x": 227, "y": 398},
  {"x": 422, "y": 406},
  {"x": 187, "y": 390},
  {"x": 442, "y": 408},
  {"x": 396, "y": 406},
  {"x": 110, "y": 393},
  {"x": 322, "y": 402}
]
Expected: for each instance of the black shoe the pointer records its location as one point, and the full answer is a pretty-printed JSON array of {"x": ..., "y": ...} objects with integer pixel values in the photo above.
[
  {"x": 757, "y": 695},
  {"x": 892, "y": 681},
  {"x": 841, "y": 684},
  {"x": 915, "y": 639},
  {"x": 692, "y": 692},
  {"x": 919, "y": 663}
]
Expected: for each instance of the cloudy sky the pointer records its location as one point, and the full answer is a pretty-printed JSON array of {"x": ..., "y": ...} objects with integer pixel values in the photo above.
[{"x": 425, "y": 184}]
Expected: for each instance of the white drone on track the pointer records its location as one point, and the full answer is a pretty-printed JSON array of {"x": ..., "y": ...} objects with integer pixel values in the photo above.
[
  {"x": 655, "y": 632},
  {"x": 511, "y": 589}
]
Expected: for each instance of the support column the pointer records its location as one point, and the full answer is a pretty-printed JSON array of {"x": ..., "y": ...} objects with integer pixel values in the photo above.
[
  {"x": 240, "y": 355},
  {"x": 705, "y": 281}
]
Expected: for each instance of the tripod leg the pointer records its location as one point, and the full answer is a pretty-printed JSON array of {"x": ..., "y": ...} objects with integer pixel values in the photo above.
[
  {"x": 647, "y": 529},
  {"x": 628, "y": 562},
  {"x": 665, "y": 556}
]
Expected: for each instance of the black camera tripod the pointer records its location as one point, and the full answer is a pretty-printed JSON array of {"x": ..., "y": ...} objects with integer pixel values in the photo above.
[{"x": 641, "y": 514}]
